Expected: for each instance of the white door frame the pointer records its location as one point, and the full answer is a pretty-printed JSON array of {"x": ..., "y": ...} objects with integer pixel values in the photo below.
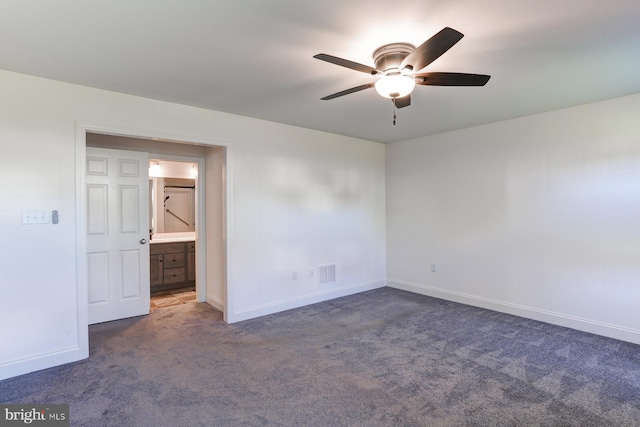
[{"x": 81, "y": 246}]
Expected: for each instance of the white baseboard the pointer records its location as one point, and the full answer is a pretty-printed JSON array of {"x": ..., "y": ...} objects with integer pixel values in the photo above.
[
  {"x": 216, "y": 303},
  {"x": 288, "y": 304},
  {"x": 573, "y": 322},
  {"x": 26, "y": 365}
]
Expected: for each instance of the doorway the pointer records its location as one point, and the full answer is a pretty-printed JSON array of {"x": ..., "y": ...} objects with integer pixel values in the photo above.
[
  {"x": 210, "y": 194},
  {"x": 173, "y": 220}
]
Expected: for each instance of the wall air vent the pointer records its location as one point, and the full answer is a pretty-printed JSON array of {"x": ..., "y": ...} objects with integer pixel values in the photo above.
[{"x": 326, "y": 274}]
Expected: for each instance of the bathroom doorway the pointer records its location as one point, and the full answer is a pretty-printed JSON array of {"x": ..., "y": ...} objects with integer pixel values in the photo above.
[
  {"x": 209, "y": 250},
  {"x": 173, "y": 223}
]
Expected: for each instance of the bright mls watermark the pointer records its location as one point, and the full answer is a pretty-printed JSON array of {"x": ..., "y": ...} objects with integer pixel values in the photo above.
[{"x": 34, "y": 415}]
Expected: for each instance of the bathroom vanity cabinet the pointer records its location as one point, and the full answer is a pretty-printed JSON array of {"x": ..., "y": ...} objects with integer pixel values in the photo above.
[{"x": 172, "y": 265}]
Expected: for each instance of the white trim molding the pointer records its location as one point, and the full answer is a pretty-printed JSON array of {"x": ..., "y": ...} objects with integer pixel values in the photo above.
[
  {"x": 216, "y": 303},
  {"x": 290, "y": 303},
  {"x": 38, "y": 362},
  {"x": 568, "y": 321}
]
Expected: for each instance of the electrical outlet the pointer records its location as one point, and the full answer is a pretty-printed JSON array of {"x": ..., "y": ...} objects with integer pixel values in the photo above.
[
  {"x": 312, "y": 273},
  {"x": 434, "y": 267},
  {"x": 294, "y": 275}
]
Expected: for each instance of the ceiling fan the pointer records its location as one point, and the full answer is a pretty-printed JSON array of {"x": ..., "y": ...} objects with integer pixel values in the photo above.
[{"x": 399, "y": 64}]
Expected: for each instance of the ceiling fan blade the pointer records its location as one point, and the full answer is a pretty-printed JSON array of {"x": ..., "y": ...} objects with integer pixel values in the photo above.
[
  {"x": 451, "y": 79},
  {"x": 405, "y": 101},
  {"x": 346, "y": 63},
  {"x": 432, "y": 49},
  {"x": 348, "y": 91}
]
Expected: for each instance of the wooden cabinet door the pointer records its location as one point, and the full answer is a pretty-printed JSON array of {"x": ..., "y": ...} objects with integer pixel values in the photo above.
[
  {"x": 156, "y": 270},
  {"x": 191, "y": 266}
]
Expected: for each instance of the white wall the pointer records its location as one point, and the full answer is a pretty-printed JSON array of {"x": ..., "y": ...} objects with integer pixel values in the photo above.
[
  {"x": 299, "y": 198},
  {"x": 172, "y": 169},
  {"x": 538, "y": 216},
  {"x": 215, "y": 226}
]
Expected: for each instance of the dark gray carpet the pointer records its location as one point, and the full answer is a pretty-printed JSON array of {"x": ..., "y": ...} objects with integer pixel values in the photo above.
[{"x": 380, "y": 358}]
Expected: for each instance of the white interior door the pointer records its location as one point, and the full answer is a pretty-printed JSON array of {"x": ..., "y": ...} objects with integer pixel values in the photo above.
[{"x": 117, "y": 195}]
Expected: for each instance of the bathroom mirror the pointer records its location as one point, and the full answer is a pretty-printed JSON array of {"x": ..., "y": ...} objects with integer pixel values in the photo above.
[{"x": 172, "y": 207}]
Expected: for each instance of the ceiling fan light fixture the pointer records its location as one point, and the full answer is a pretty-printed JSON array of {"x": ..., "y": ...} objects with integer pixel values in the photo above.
[
  {"x": 395, "y": 86},
  {"x": 400, "y": 67}
]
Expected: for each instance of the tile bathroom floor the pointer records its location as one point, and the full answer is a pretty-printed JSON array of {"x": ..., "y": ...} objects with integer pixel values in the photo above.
[{"x": 173, "y": 297}]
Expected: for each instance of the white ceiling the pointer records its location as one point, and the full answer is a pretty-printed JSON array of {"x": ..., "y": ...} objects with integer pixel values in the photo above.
[{"x": 255, "y": 57}]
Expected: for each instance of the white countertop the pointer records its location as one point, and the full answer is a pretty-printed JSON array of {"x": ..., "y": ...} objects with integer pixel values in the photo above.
[{"x": 173, "y": 237}]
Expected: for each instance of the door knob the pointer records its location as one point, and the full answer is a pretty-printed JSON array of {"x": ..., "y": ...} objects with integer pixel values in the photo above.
[{"x": 143, "y": 241}]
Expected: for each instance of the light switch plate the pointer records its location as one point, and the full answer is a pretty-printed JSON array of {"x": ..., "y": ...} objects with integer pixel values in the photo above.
[{"x": 35, "y": 217}]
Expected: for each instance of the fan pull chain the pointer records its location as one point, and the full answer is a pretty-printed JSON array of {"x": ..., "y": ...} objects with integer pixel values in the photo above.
[{"x": 394, "y": 111}]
